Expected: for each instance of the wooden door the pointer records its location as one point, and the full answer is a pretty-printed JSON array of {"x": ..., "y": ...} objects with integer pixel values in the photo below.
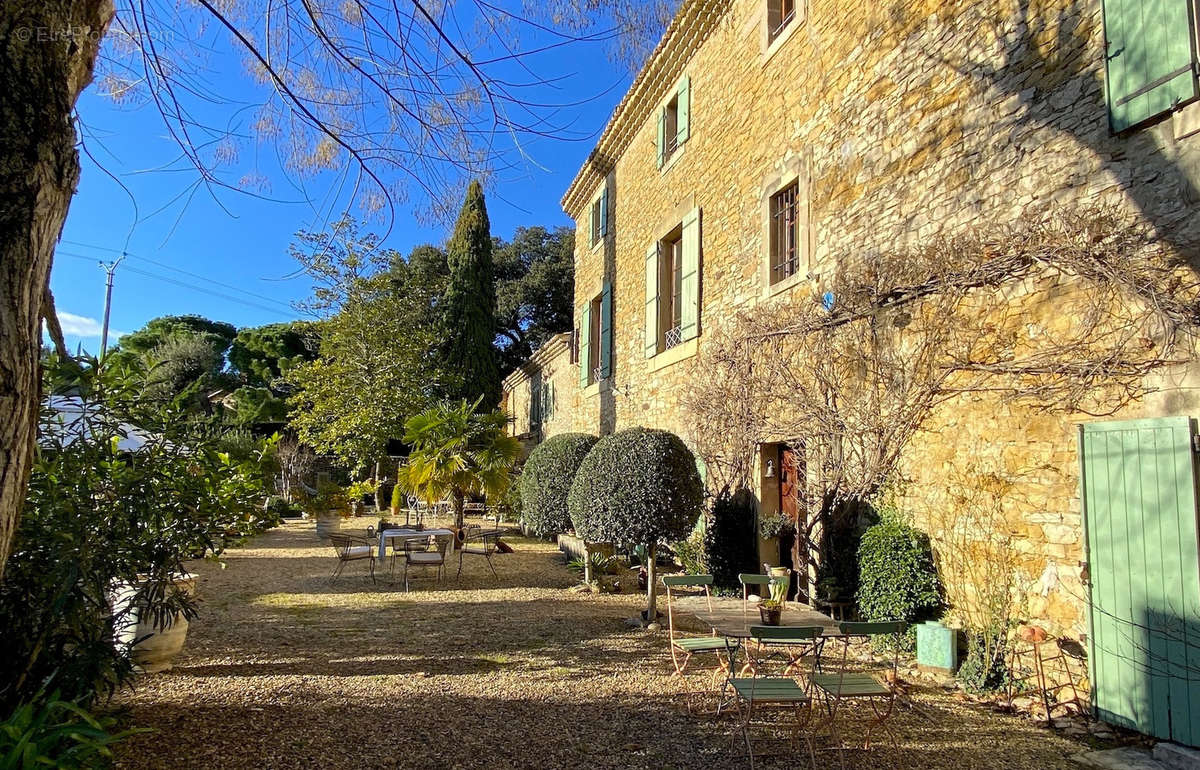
[
  {"x": 1139, "y": 504},
  {"x": 790, "y": 479}
]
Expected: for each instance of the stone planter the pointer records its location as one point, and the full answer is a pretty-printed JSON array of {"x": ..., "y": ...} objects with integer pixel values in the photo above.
[
  {"x": 327, "y": 523},
  {"x": 151, "y": 647}
]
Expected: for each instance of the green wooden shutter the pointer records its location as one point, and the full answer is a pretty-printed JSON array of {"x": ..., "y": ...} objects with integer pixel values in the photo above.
[
  {"x": 1150, "y": 62},
  {"x": 652, "y": 300},
  {"x": 689, "y": 300},
  {"x": 604, "y": 211},
  {"x": 606, "y": 331},
  {"x": 661, "y": 143},
  {"x": 585, "y": 345},
  {"x": 683, "y": 111}
]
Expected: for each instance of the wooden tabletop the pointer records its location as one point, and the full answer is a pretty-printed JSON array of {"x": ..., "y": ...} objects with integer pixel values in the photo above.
[{"x": 732, "y": 617}]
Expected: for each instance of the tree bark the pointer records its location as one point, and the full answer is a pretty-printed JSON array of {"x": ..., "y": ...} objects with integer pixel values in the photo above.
[
  {"x": 48, "y": 50},
  {"x": 651, "y": 584}
]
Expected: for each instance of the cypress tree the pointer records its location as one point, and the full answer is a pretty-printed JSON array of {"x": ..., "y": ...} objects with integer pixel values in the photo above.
[{"x": 469, "y": 307}]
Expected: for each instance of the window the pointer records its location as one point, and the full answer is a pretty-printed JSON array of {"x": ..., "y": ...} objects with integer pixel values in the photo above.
[
  {"x": 671, "y": 290},
  {"x": 674, "y": 122},
  {"x": 673, "y": 287},
  {"x": 599, "y": 216},
  {"x": 593, "y": 360},
  {"x": 780, "y": 13},
  {"x": 596, "y": 339},
  {"x": 784, "y": 233},
  {"x": 1150, "y": 60}
]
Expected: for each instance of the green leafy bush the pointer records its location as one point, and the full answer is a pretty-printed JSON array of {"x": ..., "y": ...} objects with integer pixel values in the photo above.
[
  {"x": 689, "y": 552},
  {"x": 398, "y": 497},
  {"x": 775, "y": 525},
  {"x": 121, "y": 493},
  {"x": 638, "y": 486},
  {"x": 730, "y": 545},
  {"x": 59, "y": 734},
  {"x": 897, "y": 576},
  {"x": 546, "y": 481}
]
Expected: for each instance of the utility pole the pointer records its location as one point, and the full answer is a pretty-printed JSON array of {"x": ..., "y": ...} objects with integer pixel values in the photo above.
[{"x": 109, "y": 268}]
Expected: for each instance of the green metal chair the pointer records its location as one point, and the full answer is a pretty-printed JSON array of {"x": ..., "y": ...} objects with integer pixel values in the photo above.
[
  {"x": 683, "y": 648},
  {"x": 764, "y": 690},
  {"x": 875, "y": 687}
]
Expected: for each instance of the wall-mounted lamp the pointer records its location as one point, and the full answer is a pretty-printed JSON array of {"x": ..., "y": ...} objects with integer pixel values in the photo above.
[{"x": 770, "y": 474}]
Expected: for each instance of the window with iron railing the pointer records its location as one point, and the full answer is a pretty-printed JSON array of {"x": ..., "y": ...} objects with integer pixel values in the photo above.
[
  {"x": 780, "y": 14},
  {"x": 596, "y": 231},
  {"x": 785, "y": 233},
  {"x": 670, "y": 129},
  {"x": 594, "y": 342},
  {"x": 671, "y": 272}
]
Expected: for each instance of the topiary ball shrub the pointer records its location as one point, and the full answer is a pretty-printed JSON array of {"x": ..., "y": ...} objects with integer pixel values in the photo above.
[
  {"x": 897, "y": 576},
  {"x": 546, "y": 481},
  {"x": 638, "y": 486}
]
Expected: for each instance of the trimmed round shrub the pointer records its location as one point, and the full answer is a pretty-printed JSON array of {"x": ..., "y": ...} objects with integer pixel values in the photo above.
[
  {"x": 897, "y": 576},
  {"x": 546, "y": 481},
  {"x": 638, "y": 486}
]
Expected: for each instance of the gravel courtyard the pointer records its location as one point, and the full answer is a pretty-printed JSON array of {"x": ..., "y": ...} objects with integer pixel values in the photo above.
[{"x": 284, "y": 670}]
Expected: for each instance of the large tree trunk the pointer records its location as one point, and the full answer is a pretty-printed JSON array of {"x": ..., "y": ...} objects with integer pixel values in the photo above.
[{"x": 47, "y": 51}]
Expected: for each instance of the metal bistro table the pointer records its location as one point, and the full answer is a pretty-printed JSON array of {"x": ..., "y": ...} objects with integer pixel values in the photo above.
[
  {"x": 387, "y": 534},
  {"x": 732, "y": 619}
]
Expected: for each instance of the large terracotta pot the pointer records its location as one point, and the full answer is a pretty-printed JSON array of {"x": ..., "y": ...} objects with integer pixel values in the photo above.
[{"x": 151, "y": 647}]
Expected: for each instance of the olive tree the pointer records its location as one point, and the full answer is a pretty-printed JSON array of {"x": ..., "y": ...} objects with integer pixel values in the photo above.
[{"x": 637, "y": 487}]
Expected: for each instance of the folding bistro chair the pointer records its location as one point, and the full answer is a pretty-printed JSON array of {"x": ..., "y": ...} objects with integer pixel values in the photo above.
[
  {"x": 764, "y": 690},
  {"x": 478, "y": 543},
  {"x": 839, "y": 690},
  {"x": 350, "y": 548},
  {"x": 684, "y": 647}
]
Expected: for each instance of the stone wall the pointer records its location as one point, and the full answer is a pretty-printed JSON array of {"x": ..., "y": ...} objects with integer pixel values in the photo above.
[
  {"x": 903, "y": 120},
  {"x": 549, "y": 369}
]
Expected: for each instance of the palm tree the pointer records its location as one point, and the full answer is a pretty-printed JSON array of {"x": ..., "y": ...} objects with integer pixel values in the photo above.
[{"x": 458, "y": 452}]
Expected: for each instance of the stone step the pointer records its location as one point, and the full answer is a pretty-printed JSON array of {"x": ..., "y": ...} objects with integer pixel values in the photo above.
[
  {"x": 1125, "y": 758},
  {"x": 1176, "y": 757}
]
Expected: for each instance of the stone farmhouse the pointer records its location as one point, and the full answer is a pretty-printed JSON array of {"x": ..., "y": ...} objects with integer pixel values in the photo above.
[{"x": 767, "y": 144}]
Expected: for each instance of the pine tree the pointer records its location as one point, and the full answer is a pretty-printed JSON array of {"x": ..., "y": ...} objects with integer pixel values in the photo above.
[{"x": 469, "y": 306}]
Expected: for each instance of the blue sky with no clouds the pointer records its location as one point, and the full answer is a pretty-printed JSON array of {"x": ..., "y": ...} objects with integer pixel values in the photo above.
[{"x": 224, "y": 255}]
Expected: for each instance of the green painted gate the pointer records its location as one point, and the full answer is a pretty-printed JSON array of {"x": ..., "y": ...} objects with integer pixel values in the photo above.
[{"x": 1139, "y": 503}]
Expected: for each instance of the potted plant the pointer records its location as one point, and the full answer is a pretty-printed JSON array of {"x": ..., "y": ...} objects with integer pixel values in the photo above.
[
  {"x": 357, "y": 492},
  {"x": 770, "y": 610},
  {"x": 327, "y": 506}
]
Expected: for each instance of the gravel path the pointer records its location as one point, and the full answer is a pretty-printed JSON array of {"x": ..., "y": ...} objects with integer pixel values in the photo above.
[{"x": 284, "y": 670}]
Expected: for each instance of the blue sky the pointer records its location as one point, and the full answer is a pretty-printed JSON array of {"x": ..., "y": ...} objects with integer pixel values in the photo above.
[{"x": 224, "y": 255}]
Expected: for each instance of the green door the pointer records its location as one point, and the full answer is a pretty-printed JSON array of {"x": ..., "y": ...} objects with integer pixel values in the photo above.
[{"x": 1139, "y": 506}]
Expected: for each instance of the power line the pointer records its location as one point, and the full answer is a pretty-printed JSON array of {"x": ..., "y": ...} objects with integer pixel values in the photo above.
[
  {"x": 181, "y": 271},
  {"x": 184, "y": 284}
]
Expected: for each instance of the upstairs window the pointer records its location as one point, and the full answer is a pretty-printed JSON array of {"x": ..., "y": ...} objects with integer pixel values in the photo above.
[
  {"x": 673, "y": 287},
  {"x": 596, "y": 339},
  {"x": 599, "y": 217},
  {"x": 780, "y": 14},
  {"x": 785, "y": 233},
  {"x": 674, "y": 122},
  {"x": 1150, "y": 58}
]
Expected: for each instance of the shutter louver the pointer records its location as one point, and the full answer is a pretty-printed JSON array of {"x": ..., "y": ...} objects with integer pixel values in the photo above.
[
  {"x": 585, "y": 345},
  {"x": 604, "y": 210},
  {"x": 683, "y": 111},
  {"x": 661, "y": 145},
  {"x": 652, "y": 300},
  {"x": 689, "y": 323},
  {"x": 1150, "y": 62},
  {"x": 606, "y": 331}
]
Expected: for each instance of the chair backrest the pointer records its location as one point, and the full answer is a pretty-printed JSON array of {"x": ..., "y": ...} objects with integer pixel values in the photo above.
[
  {"x": 342, "y": 543},
  {"x": 748, "y": 579},
  {"x": 685, "y": 581},
  {"x": 769, "y": 637}
]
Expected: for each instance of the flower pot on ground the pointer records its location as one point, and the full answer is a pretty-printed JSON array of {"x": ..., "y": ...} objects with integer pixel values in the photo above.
[
  {"x": 770, "y": 611},
  {"x": 151, "y": 645}
]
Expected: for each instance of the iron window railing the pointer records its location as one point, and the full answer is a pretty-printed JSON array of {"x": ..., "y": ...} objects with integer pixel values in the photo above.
[
  {"x": 784, "y": 234},
  {"x": 673, "y": 337}
]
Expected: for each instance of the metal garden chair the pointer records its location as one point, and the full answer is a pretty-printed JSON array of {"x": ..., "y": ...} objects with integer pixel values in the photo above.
[
  {"x": 478, "y": 543},
  {"x": 684, "y": 647},
  {"x": 876, "y": 687},
  {"x": 780, "y": 692},
  {"x": 350, "y": 548},
  {"x": 416, "y": 556}
]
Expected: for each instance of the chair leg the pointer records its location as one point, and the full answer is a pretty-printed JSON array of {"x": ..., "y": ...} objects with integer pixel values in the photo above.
[
  {"x": 492, "y": 566},
  {"x": 373, "y": 571},
  {"x": 458, "y": 575},
  {"x": 337, "y": 572}
]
